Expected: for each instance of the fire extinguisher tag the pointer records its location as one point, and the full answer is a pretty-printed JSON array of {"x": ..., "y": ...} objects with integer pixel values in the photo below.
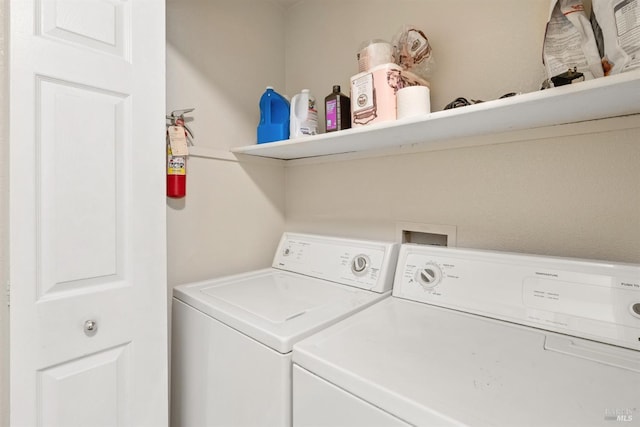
[{"x": 178, "y": 141}]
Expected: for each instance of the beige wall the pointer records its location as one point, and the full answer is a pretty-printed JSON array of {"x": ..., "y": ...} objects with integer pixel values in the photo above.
[
  {"x": 576, "y": 196},
  {"x": 555, "y": 192},
  {"x": 4, "y": 218},
  {"x": 220, "y": 57}
]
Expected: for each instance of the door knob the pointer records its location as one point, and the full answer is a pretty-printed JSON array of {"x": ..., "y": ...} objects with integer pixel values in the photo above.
[{"x": 90, "y": 328}]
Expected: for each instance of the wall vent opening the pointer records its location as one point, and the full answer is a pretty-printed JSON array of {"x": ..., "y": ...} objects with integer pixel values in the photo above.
[{"x": 426, "y": 234}]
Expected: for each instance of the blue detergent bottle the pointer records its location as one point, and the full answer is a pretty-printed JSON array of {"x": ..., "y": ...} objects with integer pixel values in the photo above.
[{"x": 274, "y": 117}]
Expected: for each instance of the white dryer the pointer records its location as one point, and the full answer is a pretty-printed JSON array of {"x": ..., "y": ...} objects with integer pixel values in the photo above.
[
  {"x": 232, "y": 337},
  {"x": 481, "y": 339}
]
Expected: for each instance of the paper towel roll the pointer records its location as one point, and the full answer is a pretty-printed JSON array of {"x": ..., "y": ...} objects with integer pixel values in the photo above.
[{"x": 413, "y": 101}]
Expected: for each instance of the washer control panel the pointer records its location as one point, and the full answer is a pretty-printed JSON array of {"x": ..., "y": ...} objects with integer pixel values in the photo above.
[
  {"x": 361, "y": 263},
  {"x": 597, "y": 300}
]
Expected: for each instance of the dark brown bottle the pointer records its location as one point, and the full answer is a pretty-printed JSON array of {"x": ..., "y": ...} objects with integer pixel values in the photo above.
[{"x": 337, "y": 110}]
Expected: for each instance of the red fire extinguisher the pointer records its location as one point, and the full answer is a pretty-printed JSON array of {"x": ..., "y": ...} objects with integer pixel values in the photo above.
[{"x": 178, "y": 138}]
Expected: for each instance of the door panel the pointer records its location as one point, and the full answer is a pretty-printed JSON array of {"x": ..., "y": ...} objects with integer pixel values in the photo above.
[
  {"x": 88, "y": 230},
  {"x": 102, "y": 406},
  {"x": 87, "y": 213},
  {"x": 103, "y": 25}
]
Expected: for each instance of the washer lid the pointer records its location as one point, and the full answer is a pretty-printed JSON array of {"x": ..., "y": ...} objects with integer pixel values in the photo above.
[
  {"x": 275, "y": 297},
  {"x": 275, "y": 307},
  {"x": 435, "y": 366}
]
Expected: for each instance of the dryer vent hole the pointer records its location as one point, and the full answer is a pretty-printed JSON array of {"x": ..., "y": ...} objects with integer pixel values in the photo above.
[{"x": 421, "y": 238}]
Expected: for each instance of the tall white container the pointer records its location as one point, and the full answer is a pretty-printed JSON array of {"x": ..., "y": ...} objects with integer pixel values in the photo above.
[{"x": 304, "y": 115}]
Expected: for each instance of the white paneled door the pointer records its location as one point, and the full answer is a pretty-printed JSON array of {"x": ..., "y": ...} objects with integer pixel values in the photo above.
[{"x": 88, "y": 318}]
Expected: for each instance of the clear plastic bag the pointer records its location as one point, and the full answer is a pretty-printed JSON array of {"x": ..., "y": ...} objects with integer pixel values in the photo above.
[{"x": 412, "y": 51}]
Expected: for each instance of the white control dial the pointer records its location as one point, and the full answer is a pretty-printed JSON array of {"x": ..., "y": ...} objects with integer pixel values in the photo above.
[
  {"x": 635, "y": 309},
  {"x": 429, "y": 276},
  {"x": 360, "y": 265}
]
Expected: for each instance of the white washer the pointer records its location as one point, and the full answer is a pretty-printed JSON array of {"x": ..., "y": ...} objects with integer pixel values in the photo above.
[
  {"x": 483, "y": 339},
  {"x": 233, "y": 336}
]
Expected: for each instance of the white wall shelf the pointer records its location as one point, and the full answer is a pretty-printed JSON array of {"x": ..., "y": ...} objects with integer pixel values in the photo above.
[{"x": 606, "y": 97}]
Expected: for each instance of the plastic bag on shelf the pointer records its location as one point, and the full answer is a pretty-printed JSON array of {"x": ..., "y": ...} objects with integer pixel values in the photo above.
[
  {"x": 412, "y": 51},
  {"x": 616, "y": 24},
  {"x": 569, "y": 41}
]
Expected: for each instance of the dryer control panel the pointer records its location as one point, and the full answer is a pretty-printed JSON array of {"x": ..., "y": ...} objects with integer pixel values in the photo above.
[
  {"x": 362, "y": 263},
  {"x": 592, "y": 299}
]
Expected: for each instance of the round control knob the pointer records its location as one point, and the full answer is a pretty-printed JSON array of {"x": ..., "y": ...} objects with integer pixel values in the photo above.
[
  {"x": 360, "y": 264},
  {"x": 635, "y": 309},
  {"x": 429, "y": 276}
]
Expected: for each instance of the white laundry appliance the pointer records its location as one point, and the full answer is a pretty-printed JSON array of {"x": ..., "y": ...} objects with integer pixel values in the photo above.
[
  {"x": 481, "y": 339},
  {"x": 232, "y": 337}
]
